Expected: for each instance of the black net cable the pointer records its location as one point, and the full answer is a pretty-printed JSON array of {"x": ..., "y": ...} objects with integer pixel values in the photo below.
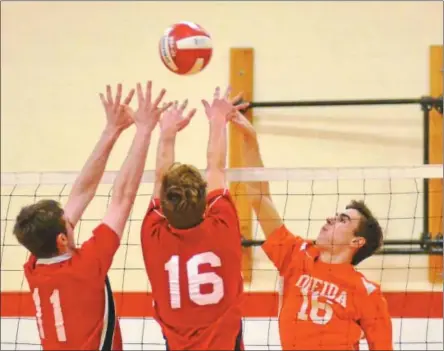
[{"x": 432, "y": 102}]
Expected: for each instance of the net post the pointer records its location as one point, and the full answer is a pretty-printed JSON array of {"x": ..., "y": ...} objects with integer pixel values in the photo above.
[
  {"x": 434, "y": 155},
  {"x": 241, "y": 80}
]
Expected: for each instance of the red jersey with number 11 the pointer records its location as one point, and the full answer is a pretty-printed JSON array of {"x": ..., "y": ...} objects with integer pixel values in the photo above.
[
  {"x": 72, "y": 297},
  {"x": 195, "y": 275}
]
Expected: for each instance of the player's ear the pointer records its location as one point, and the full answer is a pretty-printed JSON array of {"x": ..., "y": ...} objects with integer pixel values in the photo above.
[
  {"x": 62, "y": 242},
  {"x": 358, "y": 242}
]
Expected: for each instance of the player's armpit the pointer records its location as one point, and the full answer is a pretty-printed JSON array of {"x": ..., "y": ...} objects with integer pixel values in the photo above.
[
  {"x": 376, "y": 321},
  {"x": 280, "y": 246},
  {"x": 98, "y": 252}
]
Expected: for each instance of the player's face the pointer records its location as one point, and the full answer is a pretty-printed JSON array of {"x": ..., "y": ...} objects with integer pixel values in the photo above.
[{"x": 338, "y": 233}]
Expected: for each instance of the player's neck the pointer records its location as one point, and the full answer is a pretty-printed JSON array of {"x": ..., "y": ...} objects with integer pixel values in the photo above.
[
  {"x": 339, "y": 258},
  {"x": 65, "y": 251}
]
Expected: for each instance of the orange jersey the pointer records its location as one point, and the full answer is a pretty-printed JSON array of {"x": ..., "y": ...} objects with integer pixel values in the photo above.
[
  {"x": 325, "y": 306},
  {"x": 195, "y": 275},
  {"x": 73, "y": 298}
]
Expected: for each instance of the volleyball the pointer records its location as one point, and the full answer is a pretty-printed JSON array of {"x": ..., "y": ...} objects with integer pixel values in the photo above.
[{"x": 185, "y": 48}]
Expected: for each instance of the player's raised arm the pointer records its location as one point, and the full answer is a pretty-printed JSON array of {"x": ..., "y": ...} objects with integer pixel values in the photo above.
[
  {"x": 219, "y": 112},
  {"x": 267, "y": 214},
  {"x": 128, "y": 180},
  {"x": 171, "y": 123},
  {"x": 86, "y": 184},
  {"x": 280, "y": 243}
]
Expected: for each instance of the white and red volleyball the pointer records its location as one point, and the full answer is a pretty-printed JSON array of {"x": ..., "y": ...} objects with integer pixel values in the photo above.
[{"x": 185, "y": 48}]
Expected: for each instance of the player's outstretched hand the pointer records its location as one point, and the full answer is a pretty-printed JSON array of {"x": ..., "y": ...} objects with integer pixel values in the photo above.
[
  {"x": 173, "y": 119},
  {"x": 237, "y": 102},
  {"x": 148, "y": 112},
  {"x": 222, "y": 106},
  {"x": 118, "y": 114}
]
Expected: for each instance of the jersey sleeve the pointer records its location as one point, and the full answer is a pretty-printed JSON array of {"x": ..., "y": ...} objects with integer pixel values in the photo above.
[
  {"x": 97, "y": 253},
  {"x": 375, "y": 320},
  {"x": 222, "y": 212},
  {"x": 280, "y": 246}
]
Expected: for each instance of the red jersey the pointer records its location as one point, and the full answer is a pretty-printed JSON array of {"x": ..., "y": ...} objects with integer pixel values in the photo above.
[
  {"x": 195, "y": 275},
  {"x": 72, "y": 296},
  {"x": 325, "y": 306}
]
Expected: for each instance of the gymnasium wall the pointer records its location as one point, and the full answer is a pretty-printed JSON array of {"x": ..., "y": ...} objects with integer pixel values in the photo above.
[{"x": 56, "y": 57}]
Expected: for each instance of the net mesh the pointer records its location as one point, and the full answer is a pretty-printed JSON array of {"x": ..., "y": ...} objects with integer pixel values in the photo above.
[{"x": 304, "y": 198}]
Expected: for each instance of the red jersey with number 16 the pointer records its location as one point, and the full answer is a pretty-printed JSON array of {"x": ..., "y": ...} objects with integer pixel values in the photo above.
[
  {"x": 72, "y": 296},
  {"x": 195, "y": 275}
]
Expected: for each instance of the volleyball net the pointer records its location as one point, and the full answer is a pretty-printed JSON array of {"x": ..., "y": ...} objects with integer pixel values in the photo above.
[{"x": 304, "y": 198}]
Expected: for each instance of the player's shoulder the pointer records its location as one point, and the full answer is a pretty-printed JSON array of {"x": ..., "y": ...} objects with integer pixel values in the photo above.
[
  {"x": 307, "y": 247},
  {"x": 305, "y": 254},
  {"x": 29, "y": 269},
  {"x": 221, "y": 210},
  {"x": 154, "y": 208},
  {"x": 30, "y": 264},
  {"x": 104, "y": 229},
  {"x": 219, "y": 197},
  {"x": 302, "y": 246},
  {"x": 365, "y": 286}
]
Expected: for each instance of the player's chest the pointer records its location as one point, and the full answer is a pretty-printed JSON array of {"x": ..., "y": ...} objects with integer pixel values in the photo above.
[{"x": 318, "y": 296}]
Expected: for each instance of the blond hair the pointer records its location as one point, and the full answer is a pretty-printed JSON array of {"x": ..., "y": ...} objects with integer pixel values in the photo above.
[{"x": 183, "y": 196}]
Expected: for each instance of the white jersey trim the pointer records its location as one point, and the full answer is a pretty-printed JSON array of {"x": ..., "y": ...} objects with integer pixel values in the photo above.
[
  {"x": 369, "y": 287},
  {"x": 105, "y": 320},
  {"x": 280, "y": 289},
  {"x": 55, "y": 259},
  {"x": 158, "y": 212}
]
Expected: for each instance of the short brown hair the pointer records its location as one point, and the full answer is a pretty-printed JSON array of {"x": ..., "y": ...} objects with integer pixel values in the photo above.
[
  {"x": 183, "y": 196},
  {"x": 369, "y": 229},
  {"x": 37, "y": 227}
]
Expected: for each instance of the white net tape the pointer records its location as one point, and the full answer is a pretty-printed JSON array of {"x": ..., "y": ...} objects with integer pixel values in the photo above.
[{"x": 250, "y": 174}]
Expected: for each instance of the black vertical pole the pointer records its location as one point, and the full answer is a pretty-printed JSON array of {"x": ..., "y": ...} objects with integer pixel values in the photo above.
[{"x": 426, "y": 121}]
